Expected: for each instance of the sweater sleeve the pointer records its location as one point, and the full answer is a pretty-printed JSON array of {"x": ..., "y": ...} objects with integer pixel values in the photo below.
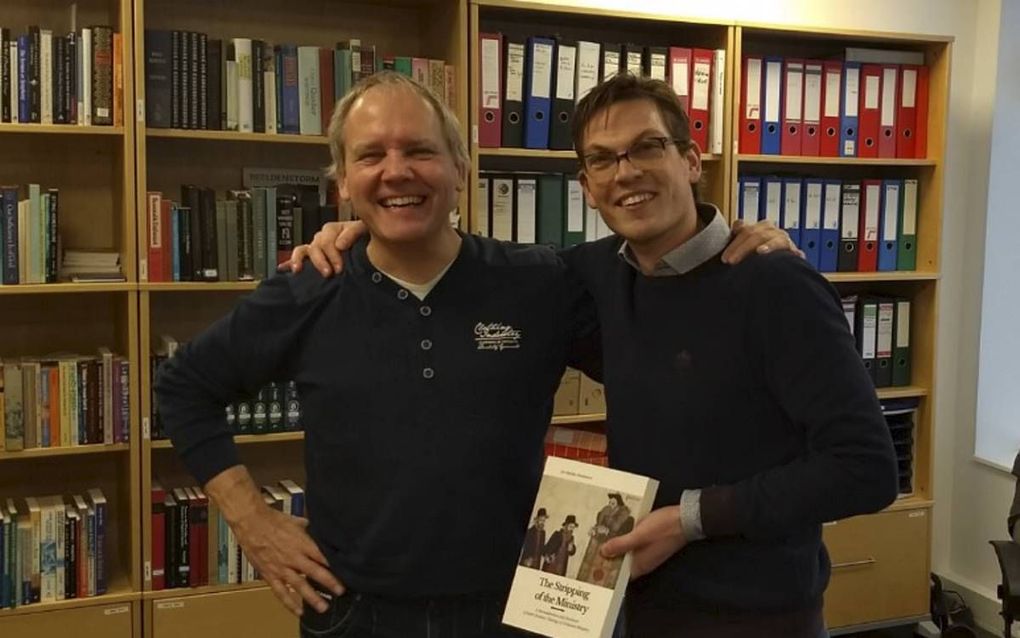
[
  {"x": 233, "y": 358},
  {"x": 585, "y": 352},
  {"x": 800, "y": 339}
]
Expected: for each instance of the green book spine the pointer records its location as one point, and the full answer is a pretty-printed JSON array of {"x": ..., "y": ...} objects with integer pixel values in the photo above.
[
  {"x": 551, "y": 211},
  {"x": 906, "y": 251}
]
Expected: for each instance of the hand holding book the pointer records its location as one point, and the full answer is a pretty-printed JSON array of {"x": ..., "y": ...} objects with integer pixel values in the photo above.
[{"x": 653, "y": 540}]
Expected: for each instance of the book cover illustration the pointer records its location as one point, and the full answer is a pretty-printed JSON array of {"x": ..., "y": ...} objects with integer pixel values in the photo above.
[{"x": 563, "y": 585}]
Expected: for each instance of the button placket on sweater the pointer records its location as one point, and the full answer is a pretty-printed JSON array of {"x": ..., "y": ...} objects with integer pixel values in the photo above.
[{"x": 424, "y": 313}]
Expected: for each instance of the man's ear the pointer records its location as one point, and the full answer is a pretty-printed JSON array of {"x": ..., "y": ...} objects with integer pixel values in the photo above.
[
  {"x": 341, "y": 189},
  {"x": 462, "y": 177},
  {"x": 693, "y": 157}
]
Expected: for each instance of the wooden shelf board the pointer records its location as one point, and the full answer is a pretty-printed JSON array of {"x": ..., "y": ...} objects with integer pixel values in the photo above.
[
  {"x": 895, "y": 275},
  {"x": 910, "y": 502},
  {"x": 184, "y": 592},
  {"x": 73, "y": 450},
  {"x": 596, "y": 12},
  {"x": 233, "y": 136},
  {"x": 244, "y": 439},
  {"x": 61, "y": 129},
  {"x": 192, "y": 286},
  {"x": 120, "y": 593},
  {"x": 838, "y": 161},
  {"x": 569, "y": 419},
  {"x": 904, "y": 392},
  {"x": 66, "y": 288}
]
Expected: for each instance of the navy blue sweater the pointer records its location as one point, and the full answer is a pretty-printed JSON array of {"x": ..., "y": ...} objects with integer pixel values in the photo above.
[
  {"x": 743, "y": 381},
  {"x": 424, "y": 420}
]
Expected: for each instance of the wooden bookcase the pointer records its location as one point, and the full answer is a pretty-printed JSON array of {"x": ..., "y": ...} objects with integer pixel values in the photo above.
[
  {"x": 880, "y": 562},
  {"x": 103, "y": 173},
  {"x": 93, "y": 168},
  {"x": 167, "y": 158}
]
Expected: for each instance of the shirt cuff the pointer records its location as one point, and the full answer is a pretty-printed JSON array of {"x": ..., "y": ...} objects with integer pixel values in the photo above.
[{"x": 690, "y": 515}]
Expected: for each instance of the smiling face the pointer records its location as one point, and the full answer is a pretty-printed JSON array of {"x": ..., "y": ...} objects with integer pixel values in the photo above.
[
  {"x": 651, "y": 203},
  {"x": 398, "y": 171}
]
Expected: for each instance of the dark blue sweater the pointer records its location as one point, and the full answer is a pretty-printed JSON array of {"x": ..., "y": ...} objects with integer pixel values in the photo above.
[
  {"x": 743, "y": 381},
  {"x": 424, "y": 420}
]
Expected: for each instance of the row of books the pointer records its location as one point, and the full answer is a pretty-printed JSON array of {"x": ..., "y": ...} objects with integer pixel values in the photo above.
[
  {"x": 536, "y": 208},
  {"x": 64, "y": 400},
  {"x": 52, "y": 548},
  {"x": 248, "y": 85},
  {"x": 77, "y": 78},
  {"x": 529, "y": 87},
  {"x": 192, "y": 545},
  {"x": 881, "y": 326},
  {"x": 835, "y": 108},
  {"x": 240, "y": 238},
  {"x": 29, "y": 235},
  {"x": 899, "y": 415},
  {"x": 841, "y": 225}
]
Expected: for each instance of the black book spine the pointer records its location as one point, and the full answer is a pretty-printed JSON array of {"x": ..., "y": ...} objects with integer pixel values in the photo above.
[
  {"x": 214, "y": 64},
  {"x": 185, "y": 79},
  {"x": 34, "y": 75},
  {"x": 175, "y": 79},
  {"x": 59, "y": 82},
  {"x": 193, "y": 72},
  {"x": 191, "y": 198},
  {"x": 54, "y": 226},
  {"x": 203, "y": 81},
  {"x": 5, "y": 75},
  {"x": 71, "y": 558},
  {"x": 158, "y": 83},
  {"x": 71, "y": 59},
  {"x": 258, "y": 52},
  {"x": 170, "y": 550},
  {"x": 184, "y": 544},
  {"x": 210, "y": 270},
  {"x": 186, "y": 247}
]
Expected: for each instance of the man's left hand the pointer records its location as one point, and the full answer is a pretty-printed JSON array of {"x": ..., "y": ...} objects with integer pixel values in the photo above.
[
  {"x": 653, "y": 540},
  {"x": 762, "y": 237}
]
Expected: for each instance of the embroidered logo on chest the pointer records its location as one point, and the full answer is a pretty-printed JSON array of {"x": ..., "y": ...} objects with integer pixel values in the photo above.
[{"x": 497, "y": 336}]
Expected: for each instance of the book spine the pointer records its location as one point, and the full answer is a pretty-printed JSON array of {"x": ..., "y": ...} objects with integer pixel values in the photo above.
[
  {"x": 53, "y": 235},
  {"x": 175, "y": 79},
  {"x": 214, "y": 80},
  {"x": 258, "y": 86},
  {"x": 34, "y": 74},
  {"x": 102, "y": 76},
  {"x": 203, "y": 81},
  {"x": 5, "y": 82},
  {"x": 194, "y": 71}
]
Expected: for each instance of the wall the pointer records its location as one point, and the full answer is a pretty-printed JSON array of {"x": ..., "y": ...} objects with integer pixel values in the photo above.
[{"x": 971, "y": 499}]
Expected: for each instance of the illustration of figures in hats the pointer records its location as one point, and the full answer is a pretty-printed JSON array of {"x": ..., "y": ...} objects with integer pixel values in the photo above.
[
  {"x": 560, "y": 548},
  {"x": 612, "y": 520},
  {"x": 534, "y": 541}
]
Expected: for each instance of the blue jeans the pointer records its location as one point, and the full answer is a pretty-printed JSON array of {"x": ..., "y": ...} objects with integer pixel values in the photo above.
[{"x": 356, "y": 615}]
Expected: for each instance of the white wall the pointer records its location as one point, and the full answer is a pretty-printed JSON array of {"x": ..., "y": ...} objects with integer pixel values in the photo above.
[{"x": 971, "y": 499}]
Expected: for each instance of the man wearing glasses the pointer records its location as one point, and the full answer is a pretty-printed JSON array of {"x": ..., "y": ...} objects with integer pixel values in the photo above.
[{"x": 738, "y": 387}]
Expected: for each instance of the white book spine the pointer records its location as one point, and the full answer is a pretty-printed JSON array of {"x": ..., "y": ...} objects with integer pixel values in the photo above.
[
  {"x": 60, "y": 522},
  {"x": 308, "y": 91},
  {"x": 48, "y": 555},
  {"x": 86, "y": 74},
  {"x": 46, "y": 75},
  {"x": 245, "y": 107},
  {"x": 231, "y": 84},
  {"x": 269, "y": 83},
  {"x": 12, "y": 50},
  {"x": 715, "y": 120}
]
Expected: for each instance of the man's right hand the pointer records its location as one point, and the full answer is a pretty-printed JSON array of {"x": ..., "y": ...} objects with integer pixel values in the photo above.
[
  {"x": 324, "y": 251},
  {"x": 285, "y": 556},
  {"x": 276, "y": 544}
]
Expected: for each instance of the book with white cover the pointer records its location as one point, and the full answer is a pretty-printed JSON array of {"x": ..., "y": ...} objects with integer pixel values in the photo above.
[{"x": 563, "y": 586}]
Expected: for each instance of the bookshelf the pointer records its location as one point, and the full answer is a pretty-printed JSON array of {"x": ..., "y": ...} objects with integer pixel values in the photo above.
[
  {"x": 896, "y": 542},
  {"x": 167, "y": 158},
  {"x": 93, "y": 169},
  {"x": 104, "y": 172}
]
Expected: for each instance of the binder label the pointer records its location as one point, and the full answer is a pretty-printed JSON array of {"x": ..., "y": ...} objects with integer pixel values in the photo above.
[
  {"x": 773, "y": 76},
  {"x": 515, "y": 72},
  {"x": 575, "y": 207},
  {"x": 871, "y": 85},
  {"x": 832, "y": 95},
  {"x": 909, "y": 88},
  {"x": 830, "y": 216},
  {"x": 541, "y": 69},
  {"x": 702, "y": 77},
  {"x": 680, "y": 79},
  {"x": 889, "y": 97},
  {"x": 794, "y": 90},
  {"x": 853, "y": 85},
  {"x": 752, "y": 109},
  {"x": 490, "y": 73},
  {"x": 565, "y": 73}
]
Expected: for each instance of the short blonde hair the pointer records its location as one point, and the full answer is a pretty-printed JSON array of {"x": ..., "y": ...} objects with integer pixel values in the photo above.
[{"x": 448, "y": 122}]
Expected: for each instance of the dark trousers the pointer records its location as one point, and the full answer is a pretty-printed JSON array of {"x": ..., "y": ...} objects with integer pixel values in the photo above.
[
  {"x": 355, "y": 615},
  {"x": 644, "y": 620}
]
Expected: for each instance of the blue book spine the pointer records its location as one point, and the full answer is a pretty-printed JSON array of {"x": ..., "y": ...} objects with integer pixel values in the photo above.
[
  {"x": 175, "y": 242},
  {"x": 23, "y": 80},
  {"x": 100, "y": 551},
  {"x": 850, "y": 88}
]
